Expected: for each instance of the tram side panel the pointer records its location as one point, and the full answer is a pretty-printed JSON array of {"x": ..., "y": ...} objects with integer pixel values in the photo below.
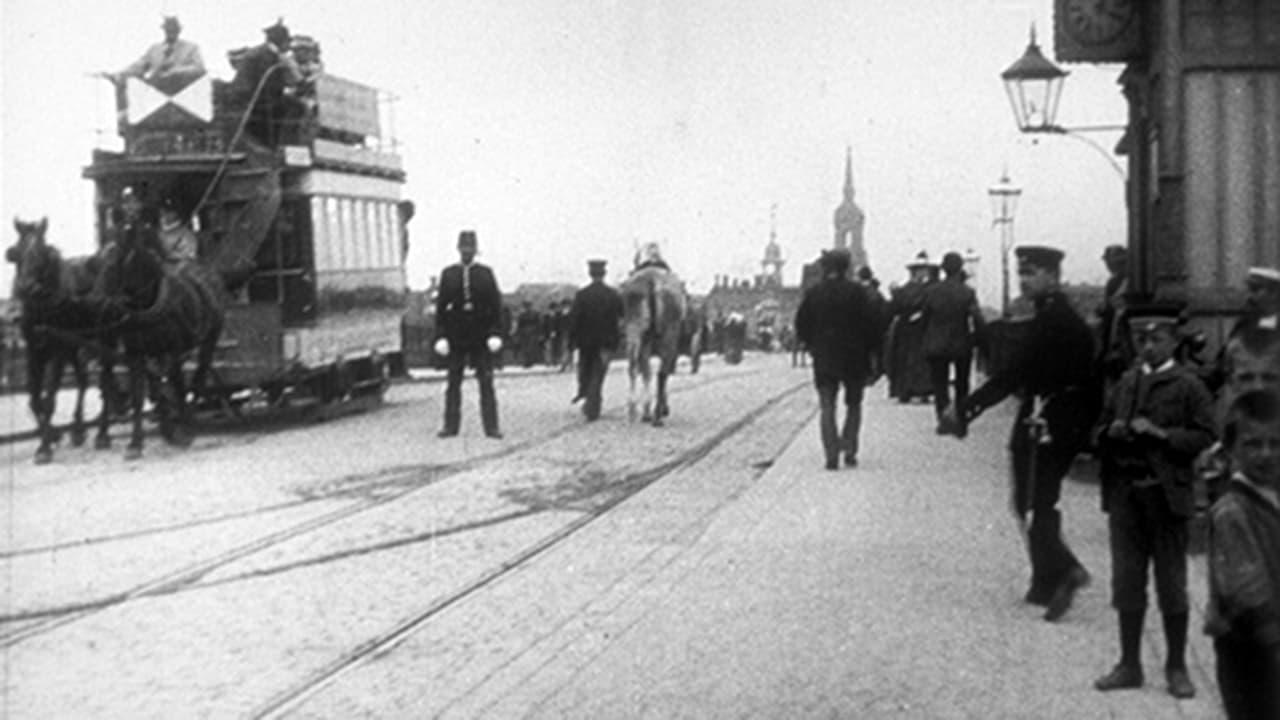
[{"x": 325, "y": 305}]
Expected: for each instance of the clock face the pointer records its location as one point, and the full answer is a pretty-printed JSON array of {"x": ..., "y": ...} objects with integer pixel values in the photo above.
[{"x": 1098, "y": 21}]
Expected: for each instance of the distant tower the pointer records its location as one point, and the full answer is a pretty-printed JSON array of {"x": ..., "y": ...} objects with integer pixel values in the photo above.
[
  {"x": 771, "y": 265},
  {"x": 850, "y": 218}
]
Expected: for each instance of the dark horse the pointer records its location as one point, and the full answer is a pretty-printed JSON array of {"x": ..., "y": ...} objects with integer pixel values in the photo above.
[
  {"x": 48, "y": 286},
  {"x": 654, "y": 306},
  {"x": 161, "y": 312}
]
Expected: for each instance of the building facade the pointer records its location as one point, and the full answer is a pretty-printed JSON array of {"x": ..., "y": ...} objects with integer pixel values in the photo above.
[{"x": 1202, "y": 81}]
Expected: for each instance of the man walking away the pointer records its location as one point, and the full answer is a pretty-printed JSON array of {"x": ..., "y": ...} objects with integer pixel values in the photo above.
[
  {"x": 469, "y": 311},
  {"x": 594, "y": 331},
  {"x": 1052, "y": 370},
  {"x": 953, "y": 326},
  {"x": 836, "y": 323}
]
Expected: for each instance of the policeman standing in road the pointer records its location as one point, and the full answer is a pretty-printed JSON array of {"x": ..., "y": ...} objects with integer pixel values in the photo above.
[
  {"x": 594, "y": 322},
  {"x": 1053, "y": 370},
  {"x": 468, "y": 312}
]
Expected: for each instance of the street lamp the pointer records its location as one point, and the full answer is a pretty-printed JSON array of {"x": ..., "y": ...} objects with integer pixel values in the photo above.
[
  {"x": 1034, "y": 85},
  {"x": 1004, "y": 198}
]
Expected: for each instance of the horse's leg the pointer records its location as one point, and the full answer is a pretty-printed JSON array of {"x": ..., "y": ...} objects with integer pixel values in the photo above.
[
  {"x": 176, "y": 434},
  {"x": 633, "y": 368},
  {"x": 137, "y": 394},
  {"x": 646, "y": 373},
  {"x": 204, "y": 361},
  {"x": 110, "y": 396},
  {"x": 661, "y": 410},
  {"x": 39, "y": 406},
  {"x": 82, "y": 385}
]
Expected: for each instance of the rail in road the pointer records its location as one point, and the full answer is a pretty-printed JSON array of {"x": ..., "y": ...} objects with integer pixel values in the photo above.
[
  {"x": 345, "y": 525},
  {"x": 27, "y": 623}
]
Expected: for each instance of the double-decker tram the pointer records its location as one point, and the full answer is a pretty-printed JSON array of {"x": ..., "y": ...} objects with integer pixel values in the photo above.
[{"x": 294, "y": 195}]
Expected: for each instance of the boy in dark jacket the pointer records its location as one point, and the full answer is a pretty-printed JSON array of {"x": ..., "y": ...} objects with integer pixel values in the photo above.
[
  {"x": 1244, "y": 561},
  {"x": 1154, "y": 423}
]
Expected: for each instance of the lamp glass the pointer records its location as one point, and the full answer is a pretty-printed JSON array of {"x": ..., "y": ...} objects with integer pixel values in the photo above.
[{"x": 1034, "y": 101}]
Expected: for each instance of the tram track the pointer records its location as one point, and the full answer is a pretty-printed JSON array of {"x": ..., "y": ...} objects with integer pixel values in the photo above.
[
  {"x": 347, "y": 486},
  {"x": 290, "y": 698},
  {"x": 29, "y": 624}
]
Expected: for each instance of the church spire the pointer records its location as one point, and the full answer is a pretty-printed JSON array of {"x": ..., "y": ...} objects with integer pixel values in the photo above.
[{"x": 848, "y": 174}]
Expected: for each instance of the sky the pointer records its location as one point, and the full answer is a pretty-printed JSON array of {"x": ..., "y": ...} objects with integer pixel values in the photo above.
[{"x": 562, "y": 130}]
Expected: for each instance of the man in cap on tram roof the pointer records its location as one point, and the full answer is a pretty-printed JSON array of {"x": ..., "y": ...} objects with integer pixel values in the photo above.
[
  {"x": 595, "y": 322},
  {"x": 271, "y": 65},
  {"x": 169, "y": 65},
  {"x": 1052, "y": 370},
  {"x": 469, "y": 332}
]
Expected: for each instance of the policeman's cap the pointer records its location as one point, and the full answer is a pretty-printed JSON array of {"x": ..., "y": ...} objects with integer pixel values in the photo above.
[
  {"x": 1148, "y": 317},
  {"x": 467, "y": 238},
  {"x": 1115, "y": 252},
  {"x": 596, "y": 267},
  {"x": 1040, "y": 256},
  {"x": 1264, "y": 276}
]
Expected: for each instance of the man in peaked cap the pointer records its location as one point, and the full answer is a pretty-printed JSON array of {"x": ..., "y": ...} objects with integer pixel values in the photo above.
[
  {"x": 1158, "y": 415},
  {"x": 594, "y": 330},
  {"x": 1052, "y": 369},
  {"x": 272, "y": 66},
  {"x": 468, "y": 332}
]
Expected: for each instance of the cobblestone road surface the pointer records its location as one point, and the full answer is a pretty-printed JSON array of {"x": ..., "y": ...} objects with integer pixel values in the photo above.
[{"x": 745, "y": 581}]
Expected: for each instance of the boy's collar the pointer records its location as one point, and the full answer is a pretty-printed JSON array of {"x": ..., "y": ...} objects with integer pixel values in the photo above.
[
  {"x": 1166, "y": 365},
  {"x": 1268, "y": 493}
]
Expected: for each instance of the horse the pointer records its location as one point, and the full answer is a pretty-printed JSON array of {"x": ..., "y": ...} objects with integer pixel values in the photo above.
[
  {"x": 47, "y": 287},
  {"x": 654, "y": 307},
  {"x": 161, "y": 311}
]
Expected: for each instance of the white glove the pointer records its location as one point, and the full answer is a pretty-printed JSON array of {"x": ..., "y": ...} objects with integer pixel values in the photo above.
[
  {"x": 442, "y": 347},
  {"x": 494, "y": 343}
]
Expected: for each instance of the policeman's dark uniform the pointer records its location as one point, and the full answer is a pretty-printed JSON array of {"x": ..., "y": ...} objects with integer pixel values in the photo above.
[
  {"x": 593, "y": 330},
  {"x": 468, "y": 314},
  {"x": 1052, "y": 370}
]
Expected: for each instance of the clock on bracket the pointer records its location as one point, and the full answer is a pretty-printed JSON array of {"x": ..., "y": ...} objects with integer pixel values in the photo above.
[{"x": 1097, "y": 30}]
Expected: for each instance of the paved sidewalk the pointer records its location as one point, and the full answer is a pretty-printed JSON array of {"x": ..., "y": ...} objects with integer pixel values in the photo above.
[{"x": 889, "y": 590}]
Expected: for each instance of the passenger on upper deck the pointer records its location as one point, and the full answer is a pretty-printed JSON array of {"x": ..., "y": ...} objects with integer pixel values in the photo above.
[
  {"x": 273, "y": 67},
  {"x": 168, "y": 66},
  {"x": 306, "y": 54}
]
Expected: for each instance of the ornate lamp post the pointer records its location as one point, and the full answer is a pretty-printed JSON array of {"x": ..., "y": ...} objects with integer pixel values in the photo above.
[
  {"x": 1034, "y": 85},
  {"x": 1004, "y": 198}
]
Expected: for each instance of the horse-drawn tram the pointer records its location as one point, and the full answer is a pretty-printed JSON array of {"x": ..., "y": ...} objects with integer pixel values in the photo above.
[{"x": 295, "y": 202}]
